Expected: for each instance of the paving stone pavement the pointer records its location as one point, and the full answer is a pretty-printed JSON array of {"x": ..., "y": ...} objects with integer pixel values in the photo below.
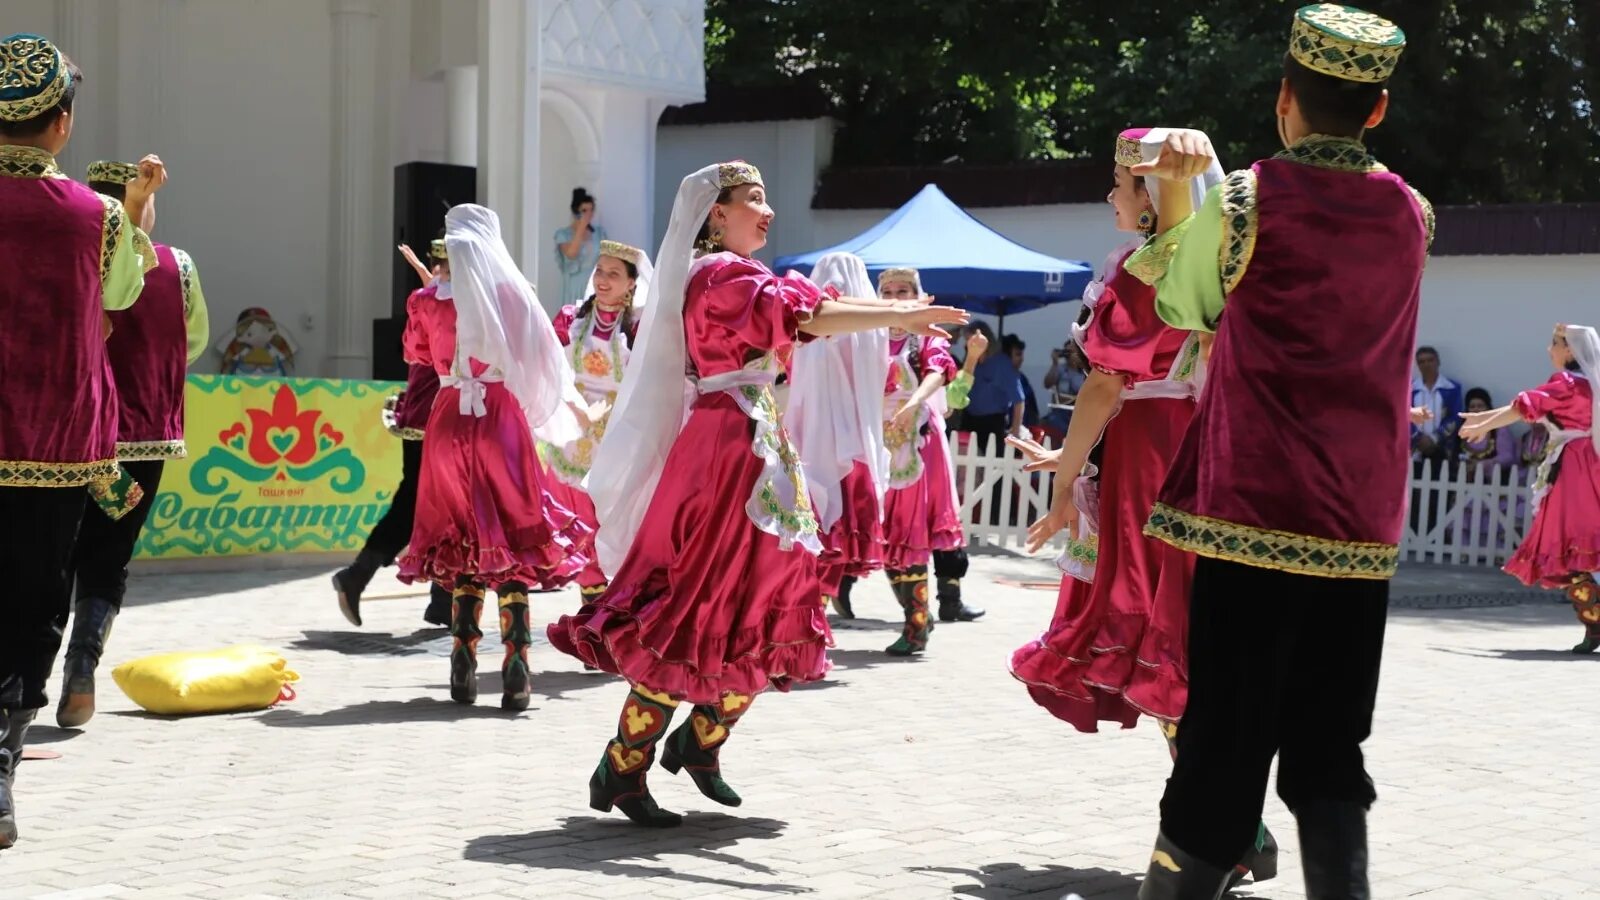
[{"x": 933, "y": 777}]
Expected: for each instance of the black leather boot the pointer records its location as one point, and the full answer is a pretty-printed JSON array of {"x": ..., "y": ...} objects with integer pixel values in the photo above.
[
  {"x": 91, "y": 626},
  {"x": 1333, "y": 850},
  {"x": 13, "y": 728},
  {"x": 1175, "y": 875},
  {"x": 841, "y": 600},
  {"x": 951, "y": 609},
  {"x": 350, "y": 581},
  {"x": 438, "y": 611}
]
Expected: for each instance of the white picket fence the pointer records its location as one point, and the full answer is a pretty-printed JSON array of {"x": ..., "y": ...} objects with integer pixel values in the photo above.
[{"x": 1465, "y": 517}]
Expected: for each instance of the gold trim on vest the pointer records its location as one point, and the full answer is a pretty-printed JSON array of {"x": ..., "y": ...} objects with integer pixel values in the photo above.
[
  {"x": 142, "y": 451},
  {"x": 1427, "y": 213},
  {"x": 1239, "y": 226},
  {"x": 17, "y": 161},
  {"x": 1328, "y": 152},
  {"x": 1263, "y": 548},
  {"x": 26, "y": 473}
]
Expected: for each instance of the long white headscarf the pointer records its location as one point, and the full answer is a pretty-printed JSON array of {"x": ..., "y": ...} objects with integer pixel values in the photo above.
[
  {"x": 836, "y": 397},
  {"x": 500, "y": 323},
  {"x": 1584, "y": 342},
  {"x": 649, "y": 409}
]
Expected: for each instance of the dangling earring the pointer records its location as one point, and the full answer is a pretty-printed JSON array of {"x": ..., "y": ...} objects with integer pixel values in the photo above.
[
  {"x": 712, "y": 243},
  {"x": 1147, "y": 221}
]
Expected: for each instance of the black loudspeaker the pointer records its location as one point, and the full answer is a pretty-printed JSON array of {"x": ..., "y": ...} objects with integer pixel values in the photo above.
[{"x": 423, "y": 192}]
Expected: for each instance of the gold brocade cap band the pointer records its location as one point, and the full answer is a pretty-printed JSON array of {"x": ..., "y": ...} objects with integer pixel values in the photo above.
[
  {"x": 112, "y": 172},
  {"x": 33, "y": 77},
  {"x": 436, "y": 249},
  {"x": 1346, "y": 43},
  {"x": 898, "y": 275},
  {"x": 1128, "y": 152},
  {"x": 621, "y": 251},
  {"x": 736, "y": 172}
]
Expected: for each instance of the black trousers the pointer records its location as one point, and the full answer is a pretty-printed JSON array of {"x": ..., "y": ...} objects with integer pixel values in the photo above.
[
  {"x": 100, "y": 560},
  {"x": 35, "y": 561},
  {"x": 393, "y": 531},
  {"x": 1279, "y": 663}
]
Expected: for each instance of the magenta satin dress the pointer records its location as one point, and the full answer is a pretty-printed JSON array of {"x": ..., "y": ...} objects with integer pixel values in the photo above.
[
  {"x": 920, "y": 511},
  {"x": 1564, "y": 537},
  {"x": 1117, "y": 647},
  {"x": 706, "y": 602},
  {"x": 482, "y": 507},
  {"x": 854, "y": 545}
]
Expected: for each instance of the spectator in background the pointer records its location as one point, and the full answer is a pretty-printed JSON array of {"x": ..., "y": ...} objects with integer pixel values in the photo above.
[
  {"x": 1497, "y": 448},
  {"x": 578, "y": 248},
  {"x": 1435, "y": 437},
  {"x": 1068, "y": 370},
  {"x": 997, "y": 402},
  {"x": 1014, "y": 347}
]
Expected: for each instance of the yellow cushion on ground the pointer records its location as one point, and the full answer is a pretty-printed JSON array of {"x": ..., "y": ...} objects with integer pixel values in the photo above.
[{"x": 226, "y": 680}]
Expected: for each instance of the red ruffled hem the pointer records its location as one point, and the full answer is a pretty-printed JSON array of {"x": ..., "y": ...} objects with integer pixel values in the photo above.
[
  {"x": 1113, "y": 685},
  {"x": 1551, "y": 570},
  {"x": 791, "y": 648},
  {"x": 857, "y": 552},
  {"x": 555, "y": 562},
  {"x": 899, "y": 557}
]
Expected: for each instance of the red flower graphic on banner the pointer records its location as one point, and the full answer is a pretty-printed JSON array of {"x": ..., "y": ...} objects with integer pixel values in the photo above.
[{"x": 284, "y": 433}]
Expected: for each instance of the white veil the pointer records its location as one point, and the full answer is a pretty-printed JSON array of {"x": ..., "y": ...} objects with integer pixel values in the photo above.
[
  {"x": 1585, "y": 344},
  {"x": 641, "y": 286},
  {"x": 649, "y": 408},
  {"x": 499, "y": 322},
  {"x": 836, "y": 397}
]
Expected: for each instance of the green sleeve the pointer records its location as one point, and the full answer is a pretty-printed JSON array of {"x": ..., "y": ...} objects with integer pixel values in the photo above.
[
  {"x": 196, "y": 321},
  {"x": 958, "y": 392},
  {"x": 1187, "y": 268},
  {"x": 125, "y": 255}
]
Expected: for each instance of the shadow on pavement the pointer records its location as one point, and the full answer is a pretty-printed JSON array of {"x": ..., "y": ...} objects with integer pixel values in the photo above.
[
  {"x": 1009, "y": 880},
  {"x": 50, "y": 734},
  {"x": 145, "y": 587},
  {"x": 856, "y": 661},
  {"x": 550, "y": 685},
  {"x": 1554, "y": 654},
  {"x": 367, "y": 643},
  {"x": 616, "y": 847},
  {"x": 419, "y": 709},
  {"x": 1557, "y": 610},
  {"x": 862, "y": 623}
]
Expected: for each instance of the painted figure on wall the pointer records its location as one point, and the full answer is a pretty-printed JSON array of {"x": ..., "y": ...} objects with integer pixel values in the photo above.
[{"x": 257, "y": 346}]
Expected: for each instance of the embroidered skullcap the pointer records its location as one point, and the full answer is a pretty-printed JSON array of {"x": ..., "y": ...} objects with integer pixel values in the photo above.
[
  {"x": 736, "y": 172},
  {"x": 33, "y": 76},
  {"x": 619, "y": 250},
  {"x": 1128, "y": 153},
  {"x": 1346, "y": 43},
  {"x": 112, "y": 172},
  {"x": 436, "y": 249}
]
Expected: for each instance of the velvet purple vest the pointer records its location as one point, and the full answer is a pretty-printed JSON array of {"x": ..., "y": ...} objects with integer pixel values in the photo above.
[{"x": 149, "y": 350}]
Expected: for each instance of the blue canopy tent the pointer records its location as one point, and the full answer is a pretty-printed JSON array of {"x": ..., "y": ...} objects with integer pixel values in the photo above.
[{"x": 963, "y": 262}]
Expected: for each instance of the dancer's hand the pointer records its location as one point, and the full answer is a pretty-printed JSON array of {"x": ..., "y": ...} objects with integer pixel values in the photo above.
[
  {"x": 1474, "y": 426},
  {"x": 976, "y": 343},
  {"x": 919, "y": 318},
  {"x": 1039, "y": 458},
  {"x": 905, "y": 416},
  {"x": 410, "y": 256},
  {"x": 1185, "y": 154},
  {"x": 1063, "y": 514},
  {"x": 1421, "y": 414},
  {"x": 152, "y": 175}
]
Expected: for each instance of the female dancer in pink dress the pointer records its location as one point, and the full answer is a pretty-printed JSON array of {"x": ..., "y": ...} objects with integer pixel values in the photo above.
[
  {"x": 1117, "y": 645},
  {"x": 483, "y": 514},
  {"x": 1562, "y": 547},
  {"x": 706, "y": 525},
  {"x": 599, "y": 337}
]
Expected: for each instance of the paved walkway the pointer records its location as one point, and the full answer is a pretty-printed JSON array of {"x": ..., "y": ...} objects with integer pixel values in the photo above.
[{"x": 934, "y": 777}]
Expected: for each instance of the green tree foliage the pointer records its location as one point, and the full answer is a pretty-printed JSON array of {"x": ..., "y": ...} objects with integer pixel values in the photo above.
[{"x": 1493, "y": 101}]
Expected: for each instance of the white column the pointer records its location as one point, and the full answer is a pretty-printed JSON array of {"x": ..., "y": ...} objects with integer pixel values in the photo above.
[
  {"x": 353, "y": 235},
  {"x": 461, "y": 126},
  {"x": 508, "y": 123}
]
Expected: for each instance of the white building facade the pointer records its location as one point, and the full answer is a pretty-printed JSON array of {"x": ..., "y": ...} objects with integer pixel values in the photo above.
[{"x": 282, "y": 122}]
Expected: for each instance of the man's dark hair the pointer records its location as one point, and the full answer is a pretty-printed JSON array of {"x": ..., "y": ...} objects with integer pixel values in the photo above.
[
  {"x": 1427, "y": 349},
  {"x": 32, "y": 128},
  {"x": 1011, "y": 343},
  {"x": 1331, "y": 105},
  {"x": 118, "y": 192}
]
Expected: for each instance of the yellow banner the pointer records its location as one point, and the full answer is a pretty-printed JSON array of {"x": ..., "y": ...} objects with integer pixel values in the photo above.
[{"x": 275, "y": 465}]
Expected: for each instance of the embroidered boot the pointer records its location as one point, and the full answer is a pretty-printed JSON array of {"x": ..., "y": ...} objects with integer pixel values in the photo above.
[
  {"x": 1585, "y": 597},
  {"x": 516, "y": 632},
  {"x": 1175, "y": 875},
  {"x": 13, "y": 728},
  {"x": 438, "y": 611},
  {"x": 697, "y": 746},
  {"x": 350, "y": 581},
  {"x": 619, "y": 780},
  {"x": 911, "y": 589},
  {"x": 91, "y": 626},
  {"x": 1261, "y": 862},
  {"x": 467, "y": 611}
]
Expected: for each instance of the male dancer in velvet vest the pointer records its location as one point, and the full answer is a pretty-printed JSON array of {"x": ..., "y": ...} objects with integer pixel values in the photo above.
[
  {"x": 411, "y": 411},
  {"x": 70, "y": 254},
  {"x": 151, "y": 344},
  {"x": 1308, "y": 268}
]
